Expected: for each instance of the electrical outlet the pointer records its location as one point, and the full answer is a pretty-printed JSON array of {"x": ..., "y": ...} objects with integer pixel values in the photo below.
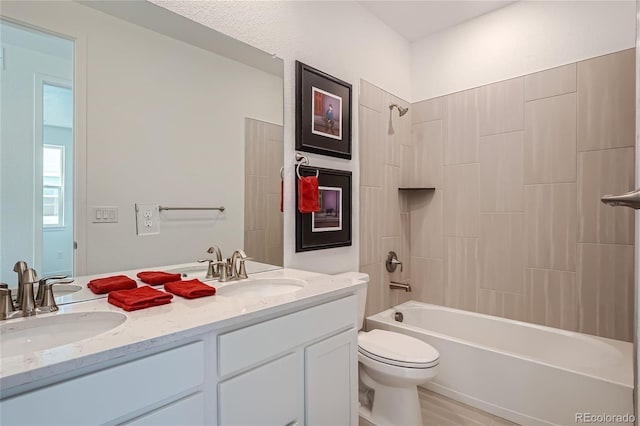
[{"x": 147, "y": 219}]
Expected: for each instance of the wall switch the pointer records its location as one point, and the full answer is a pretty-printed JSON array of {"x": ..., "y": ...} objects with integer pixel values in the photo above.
[
  {"x": 147, "y": 219},
  {"x": 104, "y": 214}
]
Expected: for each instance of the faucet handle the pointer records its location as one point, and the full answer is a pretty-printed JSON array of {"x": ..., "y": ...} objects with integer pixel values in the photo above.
[
  {"x": 242, "y": 272},
  {"x": 212, "y": 270},
  {"x": 43, "y": 282},
  {"x": 392, "y": 262},
  {"x": 48, "y": 303}
]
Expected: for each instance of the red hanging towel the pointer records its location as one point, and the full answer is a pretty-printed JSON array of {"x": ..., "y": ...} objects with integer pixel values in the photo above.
[{"x": 308, "y": 194}]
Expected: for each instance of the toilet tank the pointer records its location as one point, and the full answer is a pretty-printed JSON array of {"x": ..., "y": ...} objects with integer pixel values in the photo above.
[{"x": 358, "y": 277}]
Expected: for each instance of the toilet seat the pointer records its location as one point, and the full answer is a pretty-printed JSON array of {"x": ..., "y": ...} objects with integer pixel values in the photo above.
[{"x": 397, "y": 349}]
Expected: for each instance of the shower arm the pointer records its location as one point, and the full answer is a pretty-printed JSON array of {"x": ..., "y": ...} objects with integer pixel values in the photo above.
[{"x": 401, "y": 111}]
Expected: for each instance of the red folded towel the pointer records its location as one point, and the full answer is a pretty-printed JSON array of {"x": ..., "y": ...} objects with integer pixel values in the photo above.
[
  {"x": 158, "y": 277},
  {"x": 308, "y": 194},
  {"x": 190, "y": 289},
  {"x": 139, "y": 298},
  {"x": 116, "y": 282}
]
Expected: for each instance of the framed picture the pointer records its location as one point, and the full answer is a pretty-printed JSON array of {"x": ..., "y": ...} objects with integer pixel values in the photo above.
[
  {"x": 331, "y": 226},
  {"x": 323, "y": 113}
]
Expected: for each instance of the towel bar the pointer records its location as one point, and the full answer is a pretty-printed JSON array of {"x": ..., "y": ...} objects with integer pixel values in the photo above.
[{"x": 221, "y": 208}]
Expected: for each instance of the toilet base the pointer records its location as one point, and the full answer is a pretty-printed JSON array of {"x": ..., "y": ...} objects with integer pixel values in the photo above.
[{"x": 397, "y": 406}]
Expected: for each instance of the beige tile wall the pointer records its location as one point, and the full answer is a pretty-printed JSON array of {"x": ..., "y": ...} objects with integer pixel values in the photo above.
[
  {"x": 384, "y": 219},
  {"x": 515, "y": 226},
  {"x": 264, "y": 153}
]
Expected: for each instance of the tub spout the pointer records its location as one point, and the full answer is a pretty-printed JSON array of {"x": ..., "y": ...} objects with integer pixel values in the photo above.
[{"x": 400, "y": 286}]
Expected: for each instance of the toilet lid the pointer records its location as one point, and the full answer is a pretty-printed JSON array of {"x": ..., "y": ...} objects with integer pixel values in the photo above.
[{"x": 397, "y": 349}]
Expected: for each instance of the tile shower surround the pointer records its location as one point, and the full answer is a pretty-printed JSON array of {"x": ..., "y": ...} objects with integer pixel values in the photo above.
[
  {"x": 263, "y": 223},
  {"x": 514, "y": 227}
]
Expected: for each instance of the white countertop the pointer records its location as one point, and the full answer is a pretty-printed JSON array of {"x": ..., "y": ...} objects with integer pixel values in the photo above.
[{"x": 180, "y": 319}]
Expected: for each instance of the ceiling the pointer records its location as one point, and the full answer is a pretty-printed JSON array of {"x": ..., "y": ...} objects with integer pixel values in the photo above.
[{"x": 414, "y": 20}]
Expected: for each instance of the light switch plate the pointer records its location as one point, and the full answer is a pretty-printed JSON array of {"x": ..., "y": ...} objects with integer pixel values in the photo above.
[
  {"x": 104, "y": 214},
  {"x": 147, "y": 219}
]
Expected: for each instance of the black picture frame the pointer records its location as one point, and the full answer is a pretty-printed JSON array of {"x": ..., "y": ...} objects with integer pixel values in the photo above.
[
  {"x": 315, "y": 92},
  {"x": 331, "y": 227}
]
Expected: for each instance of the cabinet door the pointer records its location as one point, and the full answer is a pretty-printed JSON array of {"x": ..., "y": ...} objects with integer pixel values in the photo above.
[
  {"x": 266, "y": 395},
  {"x": 332, "y": 380},
  {"x": 186, "y": 411}
]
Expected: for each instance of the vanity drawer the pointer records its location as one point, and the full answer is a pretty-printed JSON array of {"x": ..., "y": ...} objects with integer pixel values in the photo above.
[
  {"x": 185, "y": 412},
  {"x": 251, "y": 345},
  {"x": 112, "y": 393}
]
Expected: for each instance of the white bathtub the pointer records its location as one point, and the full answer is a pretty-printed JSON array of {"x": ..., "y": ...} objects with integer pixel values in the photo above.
[{"x": 527, "y": 373}]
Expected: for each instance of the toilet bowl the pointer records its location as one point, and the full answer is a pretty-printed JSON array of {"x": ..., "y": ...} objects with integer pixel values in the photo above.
[{"x": 391, "y": 366}]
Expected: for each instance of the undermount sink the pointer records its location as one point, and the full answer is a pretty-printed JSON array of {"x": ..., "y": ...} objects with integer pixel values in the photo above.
[
  {"x": 65, "y": 290},
  {"x": 37, "y": 334},
  {"x": 261, "y": 287},
  {"x": 190, "y": 272}
]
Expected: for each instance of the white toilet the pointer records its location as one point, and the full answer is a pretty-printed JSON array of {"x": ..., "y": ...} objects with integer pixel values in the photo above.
[{"x": 392, "y": 365}]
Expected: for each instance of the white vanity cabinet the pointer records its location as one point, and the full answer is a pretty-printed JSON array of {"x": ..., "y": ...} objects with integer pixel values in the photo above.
[
  {"x": 299, "y": 368},
  {"x": 162, "y": 381}
]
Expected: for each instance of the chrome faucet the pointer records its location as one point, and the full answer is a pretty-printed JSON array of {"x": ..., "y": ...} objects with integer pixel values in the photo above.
[
  {"x": 30, "y": 305},
  {"x": 213, "y": 271},
  {"x": 216, "y": 268},
  {"x": 228, "y": 270}
]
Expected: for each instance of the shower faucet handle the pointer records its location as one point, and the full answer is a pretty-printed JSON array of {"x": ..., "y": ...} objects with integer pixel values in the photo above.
[{"x": 393, "y": 262}]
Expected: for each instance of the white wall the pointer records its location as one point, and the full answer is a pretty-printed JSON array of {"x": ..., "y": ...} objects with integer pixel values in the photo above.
[
  {"x": 340, "y": 38},
  {"x": 165, "y": 124},
  {"x": 519, "y": 39}
]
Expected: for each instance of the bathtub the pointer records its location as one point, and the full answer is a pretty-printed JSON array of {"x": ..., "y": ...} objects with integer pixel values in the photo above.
[{"x": 526, "y": 373}]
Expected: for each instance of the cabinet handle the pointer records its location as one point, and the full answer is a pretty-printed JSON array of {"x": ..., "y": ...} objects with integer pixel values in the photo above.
[{"x": 292, "y": 423}]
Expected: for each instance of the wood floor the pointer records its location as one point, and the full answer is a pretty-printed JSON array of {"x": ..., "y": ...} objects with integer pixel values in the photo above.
[{"x": 438, "y": 410}]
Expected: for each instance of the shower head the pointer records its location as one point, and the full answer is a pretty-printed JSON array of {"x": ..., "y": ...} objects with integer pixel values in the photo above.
[{"x": 402, "y": 111}]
